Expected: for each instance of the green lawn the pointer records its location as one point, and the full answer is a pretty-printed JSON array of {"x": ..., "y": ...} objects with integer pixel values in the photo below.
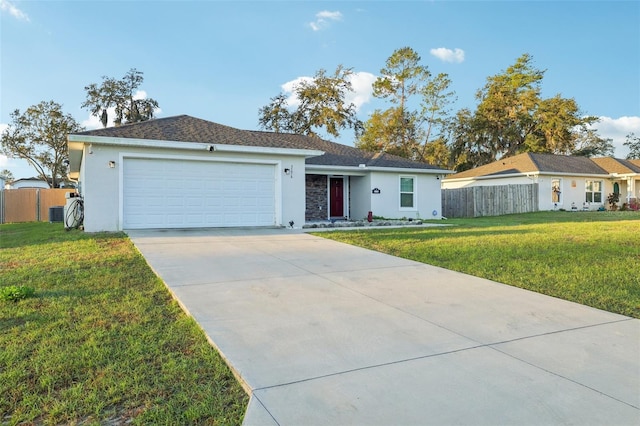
[
  {"x": 592, "y": 258},
  {"x": 102, "y": 341}
]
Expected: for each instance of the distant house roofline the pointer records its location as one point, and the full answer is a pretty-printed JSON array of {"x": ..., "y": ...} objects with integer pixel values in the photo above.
[{"x": 548, "y": 164}]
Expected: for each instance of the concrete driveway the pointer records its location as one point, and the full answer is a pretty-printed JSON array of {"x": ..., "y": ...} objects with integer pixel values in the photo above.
[{"x": 330, "y": 334}]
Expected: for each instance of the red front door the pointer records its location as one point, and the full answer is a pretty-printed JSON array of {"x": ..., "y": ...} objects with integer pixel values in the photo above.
[{"x": 336, "y": 197}]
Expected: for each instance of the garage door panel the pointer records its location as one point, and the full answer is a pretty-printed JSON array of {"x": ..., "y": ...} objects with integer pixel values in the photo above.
[{"x": 171, "y": 193}]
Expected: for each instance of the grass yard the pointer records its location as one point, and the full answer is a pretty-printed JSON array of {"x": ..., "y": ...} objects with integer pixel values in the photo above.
[
  {"x": 101, "y": 341},
  {"x": 592, "y": 258}
]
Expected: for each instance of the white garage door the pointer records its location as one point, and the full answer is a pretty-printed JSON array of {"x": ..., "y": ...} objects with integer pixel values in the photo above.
[{"x": 193, "y": 194}]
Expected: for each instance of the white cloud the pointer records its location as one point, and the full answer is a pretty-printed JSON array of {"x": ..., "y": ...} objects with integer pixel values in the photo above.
[
  {"x": 7, "y": 6},
  {"x": 448, "y": 55},
  {"x": 361, "y": 82},
  {"x": 324, "y": 18},
  {"x": 617, "y": 130}
]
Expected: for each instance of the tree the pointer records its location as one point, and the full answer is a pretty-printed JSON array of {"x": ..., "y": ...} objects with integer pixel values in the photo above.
[
  {"x": 120, "y": 95},
  {"x": 633, "y": 142},
  {"x": 401, "y": 78},
  {"x": 512, "y": 118},
  {"x": 391, "y": 131},
  {"x": 395, "y": 130},
  {"x": 507, "y": 105},
  {"x": 39, "y": 135},
  {"x": 435, "y": 119},
  {"x": 470, "y": 146},
  {"x": 412, "y": 132},
  {"x": 275, "y": 116},
  {"x": 6, "y": 175},
  {"x": 321, "y": 106},
  {"x": 588, "y": 143}
]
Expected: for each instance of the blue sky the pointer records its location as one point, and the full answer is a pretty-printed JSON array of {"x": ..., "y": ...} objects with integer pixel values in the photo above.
[{"x": 223, "y": 60}]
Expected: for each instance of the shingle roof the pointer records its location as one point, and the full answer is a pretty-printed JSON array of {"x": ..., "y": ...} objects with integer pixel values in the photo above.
[
  {"x": 618, "y": 165},
  {"x": 184, "y": 128},
  {"x": 532, "y": 163},
  {"x": 566, "y": 164}
]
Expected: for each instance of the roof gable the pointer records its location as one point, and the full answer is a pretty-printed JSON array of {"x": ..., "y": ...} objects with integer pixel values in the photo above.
[
  {"x": 534, "y": 163},
  {"x": 184, "y": 128},
  {"x": 618, "y": 165}
]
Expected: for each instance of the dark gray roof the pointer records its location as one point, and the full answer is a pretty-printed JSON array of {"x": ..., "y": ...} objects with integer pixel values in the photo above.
[
  {"x": 532, "y": 163},
  {"x": 184, "y": 128},
  {"x": 566, "y": 164}
]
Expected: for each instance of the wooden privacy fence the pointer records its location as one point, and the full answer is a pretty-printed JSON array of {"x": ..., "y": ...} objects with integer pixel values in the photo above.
[
  {"x": 479, "y": 201},
  {"x": 30, "y": 204}
]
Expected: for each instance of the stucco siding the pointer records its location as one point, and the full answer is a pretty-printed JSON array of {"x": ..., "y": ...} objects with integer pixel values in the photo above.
[
  {"x": 360, "y": 192},
  {"x": 101, "y": 185},
  {"x": 387, "y": 203},
  {"x": 572, "y": 189}
]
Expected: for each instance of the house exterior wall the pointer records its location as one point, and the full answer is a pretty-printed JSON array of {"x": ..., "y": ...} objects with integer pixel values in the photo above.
[
  {"x": 360, "y": 196},
  {"x": 316, "y": 197},
  {"x": 572, "y": 189},
  {"x": 101, "y": 186},
  {"x": 387, "y": 203}
]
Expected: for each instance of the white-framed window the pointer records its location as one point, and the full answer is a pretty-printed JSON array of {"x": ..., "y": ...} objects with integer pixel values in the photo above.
[
  {"x": 407, "y": 192},
  {"x": 593, "y": 191},
  {"x": 556, "y": 194}
]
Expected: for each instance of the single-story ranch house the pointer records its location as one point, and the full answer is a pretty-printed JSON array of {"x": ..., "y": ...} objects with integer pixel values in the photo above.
[
  {"x": 564, "y": 182},
  {"x": 185, "y": 172}
]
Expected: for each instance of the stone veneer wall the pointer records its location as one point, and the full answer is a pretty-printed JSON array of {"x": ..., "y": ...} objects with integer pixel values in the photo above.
[{"x": 316, "y": 197}]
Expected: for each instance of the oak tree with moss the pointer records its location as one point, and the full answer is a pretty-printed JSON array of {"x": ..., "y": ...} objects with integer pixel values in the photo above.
[
  {"x": 119, "y": 95},
  {"x": 322, "y": 106}
]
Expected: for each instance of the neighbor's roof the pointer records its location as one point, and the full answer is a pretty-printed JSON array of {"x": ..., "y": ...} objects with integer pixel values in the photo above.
[
  {"x": 534, "y": 163},
  {"x": 184, "y": 128},
  {"x": 618, "y": 165}
]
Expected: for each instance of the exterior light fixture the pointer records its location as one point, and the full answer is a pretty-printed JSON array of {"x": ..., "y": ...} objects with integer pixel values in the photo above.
[{"x": 112, "y": 164}]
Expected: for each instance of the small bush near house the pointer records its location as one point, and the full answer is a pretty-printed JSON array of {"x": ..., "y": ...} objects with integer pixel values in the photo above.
[
  {"x": 613, "y": 199},
  {"x": 13, "y": 293}
]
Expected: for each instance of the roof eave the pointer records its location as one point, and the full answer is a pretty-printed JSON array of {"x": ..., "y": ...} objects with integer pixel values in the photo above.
[
  {"x": 527, "y": 174},
  {"x": 76, "y": 143},
  {"x": 410, "y": 170},
  {"x": 362, "y": 171}
]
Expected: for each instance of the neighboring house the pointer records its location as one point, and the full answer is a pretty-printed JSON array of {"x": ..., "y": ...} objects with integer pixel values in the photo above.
[
  {"x": 563, "y": 181},
  {"x": 32, "y": 182},
  {"x": 184, "y": 172}
]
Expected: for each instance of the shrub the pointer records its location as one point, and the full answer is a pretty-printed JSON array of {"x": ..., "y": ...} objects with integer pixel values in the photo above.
[
  {"x": 13, "y": 293},
  {"x": 613, "y": 199}
]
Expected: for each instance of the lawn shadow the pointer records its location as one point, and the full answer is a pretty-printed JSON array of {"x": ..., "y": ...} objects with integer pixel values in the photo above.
[{"x": 16, "y": 235}]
